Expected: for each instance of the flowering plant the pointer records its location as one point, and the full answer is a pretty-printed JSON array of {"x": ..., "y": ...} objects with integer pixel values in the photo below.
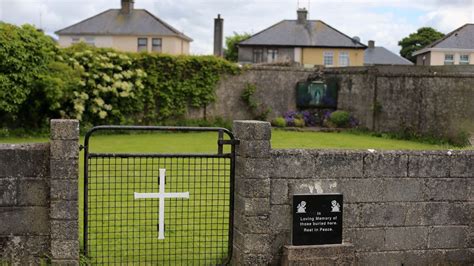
[
  {"x": 339, "y": 119},
  {"x": 306, "y": 116}
]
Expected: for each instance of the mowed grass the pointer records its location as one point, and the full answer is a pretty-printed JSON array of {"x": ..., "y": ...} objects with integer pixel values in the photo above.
[
  {"x": 346, "y": 140},
  {"x": 124, "y": 229},
  {"x": 205, "y": 142}
]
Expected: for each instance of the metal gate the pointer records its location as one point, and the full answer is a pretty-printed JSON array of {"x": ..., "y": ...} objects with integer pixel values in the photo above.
[{"x": 159, "y": 209}]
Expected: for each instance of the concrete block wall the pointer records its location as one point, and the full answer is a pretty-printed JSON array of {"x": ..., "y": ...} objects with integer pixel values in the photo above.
[
  {"x": 24, "y": 203},
  {"x": 38, "y": 199},
  {"x": 400, "y": 207}
]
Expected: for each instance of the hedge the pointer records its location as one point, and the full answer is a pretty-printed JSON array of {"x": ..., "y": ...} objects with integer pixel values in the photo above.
[{"x": 39, "y": 81}]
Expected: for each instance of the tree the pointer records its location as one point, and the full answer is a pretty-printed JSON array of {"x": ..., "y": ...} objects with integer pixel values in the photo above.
[
  {"x": 24, "y": 53},
  {"x": 417, "y": 41},
  {"x": 33, "y": 81},
  {"x": 231, "y": 52}
]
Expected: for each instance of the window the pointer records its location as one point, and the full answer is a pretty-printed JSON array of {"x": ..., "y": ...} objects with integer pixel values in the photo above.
[
  {"x": 75, "y": 40},
  {"x": 272, "y": 55},
  {"x": 449, "y": 59},
  {"x": 156, "y": 45},
  {"x": 257, "y": 55},
  {"x": 90, "y": 41},
  {"x": 343, "y": 59},
  {"x": 142, "y": 44},
  {"x": 328, "y": 58},
  {"x": 464, "y": 59}
]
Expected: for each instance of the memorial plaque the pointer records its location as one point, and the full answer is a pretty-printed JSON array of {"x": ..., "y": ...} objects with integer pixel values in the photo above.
[{"x": 317, "y": 219}]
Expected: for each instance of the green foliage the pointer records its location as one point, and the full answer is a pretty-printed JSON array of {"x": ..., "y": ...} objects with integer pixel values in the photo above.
[
  {"x": 299, "y": 122},
  {"x": 215, "y": 122},
  {"x": 175, "y": 82},
  {"x": 49, "y": 95},
  {"x": 340, "y": 118},
  {"x": 34, "y": 80},
  {"x": 417, "y": 41},
  {"x": 110, "y": 90},
  {"x": 459, "y": 140},
  {"x": 231, "y": 51},
  {"x": 39, "y": 81},
  {"x": 247, "y": 94},
  {"x": 377, "y": 108},
  {"x": 259, "y": 111},
  {"x": 279, "y": 122}
]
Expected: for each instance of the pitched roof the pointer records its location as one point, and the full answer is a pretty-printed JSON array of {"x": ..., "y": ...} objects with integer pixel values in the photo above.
[
  {"x": 461, "y": 38},
  {"x": 381, "y": 56},
  {"x": 114, "y": 22},
  {"x": 314, "y": 33}
]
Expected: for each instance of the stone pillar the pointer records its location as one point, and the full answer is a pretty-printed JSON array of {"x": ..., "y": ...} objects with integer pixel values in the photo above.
[
  {"x": 219, "y": 36},
  {"x": 64, "y": 213},
  {"x": 252, "y": 232}
]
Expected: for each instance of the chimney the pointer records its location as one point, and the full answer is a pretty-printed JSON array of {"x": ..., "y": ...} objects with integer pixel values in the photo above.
[
  {"x": 219, "y": 36},
  {"x": 302, "y": 15},
  {"x": 127, "y": 6},
  {"x": 371, "y": 44}
]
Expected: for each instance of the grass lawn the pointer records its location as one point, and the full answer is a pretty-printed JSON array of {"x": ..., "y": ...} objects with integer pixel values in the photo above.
[
  {"x": 280, "y": 140},
  {"x": 112, "y": 203},
  {"x": 123, "y": 229}
]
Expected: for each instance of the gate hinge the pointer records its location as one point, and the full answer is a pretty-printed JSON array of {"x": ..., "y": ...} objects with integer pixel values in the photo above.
[
  {"x": 228, "y": 142},
  {"x": 81, "y": 147}
]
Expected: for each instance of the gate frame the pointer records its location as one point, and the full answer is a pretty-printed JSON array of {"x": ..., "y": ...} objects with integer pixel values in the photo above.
[{"x": 220, "y": 152}]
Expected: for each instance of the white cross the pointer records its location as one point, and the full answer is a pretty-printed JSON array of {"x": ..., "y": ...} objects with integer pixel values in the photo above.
[{"x": 161, "y": 195}]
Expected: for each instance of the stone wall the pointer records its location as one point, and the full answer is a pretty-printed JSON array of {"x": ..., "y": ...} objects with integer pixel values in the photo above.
[
  {"x": 38, "y": 199},
  {"x": 275, "y": 90},
  {"x": 400, "y": 207},
  {"x": 428, "y": 100}
]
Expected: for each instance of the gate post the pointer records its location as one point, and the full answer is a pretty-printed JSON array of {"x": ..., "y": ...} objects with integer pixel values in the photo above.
[
  {"x": 252, "y": 231},
  {"x": 64, "y": 190}
]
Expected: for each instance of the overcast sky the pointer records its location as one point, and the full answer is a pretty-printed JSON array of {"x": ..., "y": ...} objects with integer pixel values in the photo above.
[{"x": 385, "y": 21}]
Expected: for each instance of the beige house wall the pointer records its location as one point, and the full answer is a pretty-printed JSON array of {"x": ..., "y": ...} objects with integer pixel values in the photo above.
[
  {"x": 173, "y": 45},
  {"x": 315, "y": 56},
  {"x": 170, "y": 45},
  {"x": 126, "y": 43},
  {"x": 437, "y": 57},
  {"x": 99, "y": 41}
]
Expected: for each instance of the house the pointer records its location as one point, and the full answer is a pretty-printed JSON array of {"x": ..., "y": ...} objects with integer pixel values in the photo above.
[
  {"x": 303, "y": 41},
  {"x": 378, "y": 55},
  {"x": 127, "y": 29},
  {"x": 456, "y": 48}
]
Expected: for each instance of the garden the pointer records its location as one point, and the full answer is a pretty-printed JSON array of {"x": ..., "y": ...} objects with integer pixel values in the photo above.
[
  {"x": 102, "y": 86},
  {"x": 39, "y": 81}
]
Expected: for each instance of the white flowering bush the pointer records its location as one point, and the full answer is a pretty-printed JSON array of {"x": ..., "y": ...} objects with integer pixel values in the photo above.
[{"x": 111, "y": 88}]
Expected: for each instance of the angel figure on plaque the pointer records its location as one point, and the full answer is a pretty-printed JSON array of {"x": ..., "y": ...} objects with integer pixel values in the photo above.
[
  {"x": 335, "y": 206},
  {"x": 301, "y": 207}
]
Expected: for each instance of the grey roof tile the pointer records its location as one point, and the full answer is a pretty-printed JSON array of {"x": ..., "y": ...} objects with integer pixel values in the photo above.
[
  {"x": 113, "y": 22},
  {"x": 462, "y": 38},
  {"x": 314, "y": 33},
  {"x": 382, "y": 56}
]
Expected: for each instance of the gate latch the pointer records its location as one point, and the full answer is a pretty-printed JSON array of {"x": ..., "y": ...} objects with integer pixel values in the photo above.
[{"x": 228, "y": 142}]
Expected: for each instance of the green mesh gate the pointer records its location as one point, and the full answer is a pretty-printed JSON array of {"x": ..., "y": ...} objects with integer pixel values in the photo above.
[{"x": 159, "y": 209}]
